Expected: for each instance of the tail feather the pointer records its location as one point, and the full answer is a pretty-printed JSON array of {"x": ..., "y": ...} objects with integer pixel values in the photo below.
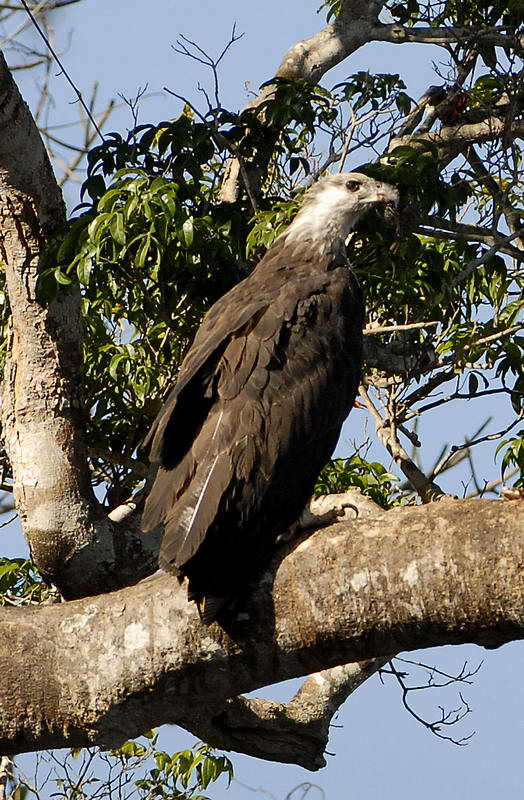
[{"x": 189, "y": 519}]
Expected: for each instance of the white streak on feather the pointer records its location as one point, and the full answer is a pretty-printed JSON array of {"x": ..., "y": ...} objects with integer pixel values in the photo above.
[
  {"x": 219, "y": 420},
  {"x": 201, "y": 497},
  {"x": 194, "y": 512}
]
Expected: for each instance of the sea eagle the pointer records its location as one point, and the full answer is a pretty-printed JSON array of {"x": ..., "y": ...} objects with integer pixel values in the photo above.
[{"x": 260, "y": 400}]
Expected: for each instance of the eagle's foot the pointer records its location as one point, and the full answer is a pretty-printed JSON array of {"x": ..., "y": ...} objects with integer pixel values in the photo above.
[
  {"x": 336, "y": 512},
  {"x": 327, "y": 509}
]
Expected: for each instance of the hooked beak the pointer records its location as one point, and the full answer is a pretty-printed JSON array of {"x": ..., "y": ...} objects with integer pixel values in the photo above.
[{"x": 388, "y": 196}]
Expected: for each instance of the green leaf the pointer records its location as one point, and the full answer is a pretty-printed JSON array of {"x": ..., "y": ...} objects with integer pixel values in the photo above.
[
  {"x": 117, "y": 228},
  {"x": 403, "y": 102},
  {"x": 143, "y": 250},
  {"x": 62, "y": 278},
  {"x": 83, "y": 269},
  {"x": 187, "y": 230},
  {"x": 9, "y": 567}
]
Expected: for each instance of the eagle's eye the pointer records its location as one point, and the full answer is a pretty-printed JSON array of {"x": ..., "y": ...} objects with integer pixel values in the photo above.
[{"x": 353, "y": 186}]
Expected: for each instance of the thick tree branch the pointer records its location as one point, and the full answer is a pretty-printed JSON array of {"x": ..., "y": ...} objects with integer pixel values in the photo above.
[
  {"x": 115, "y": 665},
  {"x": 453, "y": 139},
  {"x": 70, "y": 538},
  {"x": 356, "y": 24},
  {"x": 310, "y": 59},
  {"x": 296, "y": 732}
]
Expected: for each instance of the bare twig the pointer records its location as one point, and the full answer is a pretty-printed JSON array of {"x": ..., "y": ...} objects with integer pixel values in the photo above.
[
  {"x": 222, "y": 141},
  {"x": 490, "y": 437},
  {"x": 447, "y": 718},
  {"x": 62, "y": 67},
  {"x": 428, "y": 490},
  {"x": 481, "y": 260},
  {"x": 490, "y": 486},
  {"x": 445, "y": 229},
  {"x": 205, "y": 58}
]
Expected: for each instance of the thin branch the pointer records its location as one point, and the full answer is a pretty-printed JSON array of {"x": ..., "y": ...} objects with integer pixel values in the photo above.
[
  {"x": 456, "y": 396},
  {"x": 463, "y": 676},
  {"x": 455, "y": 357},
  {"x": 120, "y": 460},
  {"x": 370, "y": 330},
  {"x": 62, "y": 67},
  {"x": 205, "y": 58},
  {"x": 222, "y": 141},
  {"x": 428, "y": 490},
  {"x": 481, "y": 260},
  {"x": 490, "y": 486},
  {"x": 399, "y": 34},
  {"x": 491, "y": 437},
  {"x": 37, "y": 9},
  {"x": 445, "y": 229},
  {"x": 500, "y": 196},
  {"x": 446, "y": 718}
]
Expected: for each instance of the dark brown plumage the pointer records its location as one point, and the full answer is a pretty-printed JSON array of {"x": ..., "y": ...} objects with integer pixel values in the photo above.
[{"x": 260, "y": 400}]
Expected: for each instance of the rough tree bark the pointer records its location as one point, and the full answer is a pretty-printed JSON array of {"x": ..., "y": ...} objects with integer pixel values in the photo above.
[
  {"x": 113, "y": 665},
  {"x": 71, "y": 539}
]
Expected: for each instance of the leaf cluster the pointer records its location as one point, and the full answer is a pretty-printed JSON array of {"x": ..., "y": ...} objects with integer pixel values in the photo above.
[
  {"x": 151, "y": 251},
  {"x": 138, "y": 770},
  {"x": 20, "y": 583},
  {"x": 185, "y": 774},
  {"x": 513, "y": 455},
  {"x": 370, "y": 477}
]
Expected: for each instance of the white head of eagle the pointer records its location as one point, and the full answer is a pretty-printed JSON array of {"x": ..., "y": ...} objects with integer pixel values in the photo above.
[
  {"x": 333, "y": 206},
  {"x": 260, "y": 400}
]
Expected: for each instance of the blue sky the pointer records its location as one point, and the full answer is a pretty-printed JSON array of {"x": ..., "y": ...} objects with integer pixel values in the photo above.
[{"x": 379, "y": 750}]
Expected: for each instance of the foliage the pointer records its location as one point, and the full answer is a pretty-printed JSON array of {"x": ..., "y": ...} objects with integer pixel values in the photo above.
[
  {"x": 20, "y": 583},
  {"x": 371, "y": 478},
  {"x": 138, "y": 770},
  {"x": 152, "y": 250},
  {"x": 153, "y": 247},
  {"x": 185, "y": 773},
  {"x": 513, "y": 455}
]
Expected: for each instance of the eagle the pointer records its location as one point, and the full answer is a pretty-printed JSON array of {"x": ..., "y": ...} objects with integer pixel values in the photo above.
[{"x": 260, "y": 399}]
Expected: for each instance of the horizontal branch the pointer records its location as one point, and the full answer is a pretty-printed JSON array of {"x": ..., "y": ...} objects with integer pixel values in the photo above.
[
  {"x": 455, "y": 138},
  {"x": 451, "y": 231},
  {"x": 113, "y": 666},
  {"x": 400, "y": 34},
  {"x": 371, "y": 330}
]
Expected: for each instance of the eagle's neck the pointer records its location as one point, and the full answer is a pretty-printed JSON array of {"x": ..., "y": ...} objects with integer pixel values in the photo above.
[{"x": 324, "y": 227}]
